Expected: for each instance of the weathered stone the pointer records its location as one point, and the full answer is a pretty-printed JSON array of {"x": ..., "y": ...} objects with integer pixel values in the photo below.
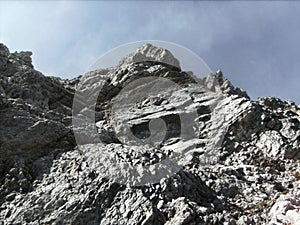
[
  {"x": 4, "y": 53},
  {"x": 234, "y": 161},
  {"x": 286, "y": 210},
  {"x": 149, "y": 52}
]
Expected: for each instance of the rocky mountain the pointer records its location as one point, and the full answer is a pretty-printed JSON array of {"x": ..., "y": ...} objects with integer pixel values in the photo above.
[{"x": 143, "y": 143}]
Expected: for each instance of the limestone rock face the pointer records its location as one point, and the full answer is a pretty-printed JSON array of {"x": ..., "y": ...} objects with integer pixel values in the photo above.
[
  {"x": 4, "y": 53},
  {"x": 35, "y": 121},
  {"x": 148, "y": 52},
  {"x": 234, "y": 160},
  {"x": 286, "y": 210}
]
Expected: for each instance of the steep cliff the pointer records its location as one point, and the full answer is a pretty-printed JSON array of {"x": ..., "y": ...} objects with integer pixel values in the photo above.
[{"x": 153, "y": 145}]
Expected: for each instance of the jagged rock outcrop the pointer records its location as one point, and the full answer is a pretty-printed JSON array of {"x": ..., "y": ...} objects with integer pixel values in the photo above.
[
  {"x": 239, "y": 159},
  {"x": 35, "y": 121},
  {"x": 148, "y": 52}
]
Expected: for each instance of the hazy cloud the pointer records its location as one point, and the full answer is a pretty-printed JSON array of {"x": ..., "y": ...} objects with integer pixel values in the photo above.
[{"x": 256, "y": 44}]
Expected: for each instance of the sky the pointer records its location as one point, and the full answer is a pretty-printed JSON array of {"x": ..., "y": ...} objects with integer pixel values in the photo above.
[{"x": 255, "y": 44}]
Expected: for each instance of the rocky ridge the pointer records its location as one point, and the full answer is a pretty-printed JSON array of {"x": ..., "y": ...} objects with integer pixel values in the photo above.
[{"x": 239, "y": 166}]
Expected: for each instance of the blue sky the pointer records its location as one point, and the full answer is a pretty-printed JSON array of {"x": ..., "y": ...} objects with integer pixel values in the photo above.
[{"x": 255, "y": 44}]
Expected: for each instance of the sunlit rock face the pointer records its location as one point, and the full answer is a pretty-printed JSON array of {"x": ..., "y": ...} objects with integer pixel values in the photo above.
[
  {"x": 232, "y": 160},
  {"x": 148, "y": 52}
]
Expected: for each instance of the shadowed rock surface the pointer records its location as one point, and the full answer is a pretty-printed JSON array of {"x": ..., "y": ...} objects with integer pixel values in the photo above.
[{"x": 239, "y": 158}]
